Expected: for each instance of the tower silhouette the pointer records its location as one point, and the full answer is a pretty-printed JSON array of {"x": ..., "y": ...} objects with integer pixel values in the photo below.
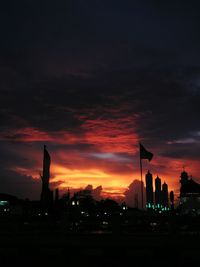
[
  {"x": 149, "y": 190},
  {"x": 46, "y": 195},
  {"x": 165, "y": 198},
  {"x": 56, "y": 195},
  {"x": 171, "y": 195},
  {"x": 158, "y": 192}
]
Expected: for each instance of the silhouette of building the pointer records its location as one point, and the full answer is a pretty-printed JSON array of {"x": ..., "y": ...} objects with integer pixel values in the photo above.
[
  {"x": 189, "y": 195},
  {"x": 10, "y": 204},
  {"x": 149, "y": 190},
  {"x": 46, "y": 194},
  {"x": 184, "y": 178},
  {"x": 66, "y": 199},
  {"x": 171, "y": 196},
  {"x": 75, "y": 200},
  {"x": 56, "y": 195},
  {"x": 158, "y": 193},
  {"x": 165, "y": 198},
  {"x": 124, "y": 206}
]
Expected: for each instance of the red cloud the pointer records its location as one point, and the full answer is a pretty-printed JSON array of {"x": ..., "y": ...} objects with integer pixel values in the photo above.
[{"x": 111, "y": 160}]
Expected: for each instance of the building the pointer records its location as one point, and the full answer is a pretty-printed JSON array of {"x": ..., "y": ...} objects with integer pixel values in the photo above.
[
  {"x": 149, "y": 191},
  {"x": 171, "y": 195},
  {"x": 75, "y": 200},
  {"x": 158, "y": 193},
  {"x": 189, "y": 195},
  {"x": 184, "y": 178},
  {"x": 10, "y": 205},
  {"x": 165, "y": 197},
  {"x": 46, "y": 194}
]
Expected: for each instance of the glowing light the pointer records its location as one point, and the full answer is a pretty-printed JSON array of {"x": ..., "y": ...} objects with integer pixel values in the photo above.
[
  {"x": 76, "y": 178},
  {"x": 107, "y": 165},
  {"x": 4, "y": 203}
]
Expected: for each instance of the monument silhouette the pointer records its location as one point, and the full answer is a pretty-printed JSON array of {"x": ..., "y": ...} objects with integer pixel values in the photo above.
[
  {"x": 46, "y": 194},
  {"x": 149, "y": 190},
  {"x": 158, "y": 192}
]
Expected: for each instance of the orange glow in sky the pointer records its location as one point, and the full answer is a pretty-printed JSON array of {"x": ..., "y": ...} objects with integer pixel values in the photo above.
[{"x": 106, "y": 154}]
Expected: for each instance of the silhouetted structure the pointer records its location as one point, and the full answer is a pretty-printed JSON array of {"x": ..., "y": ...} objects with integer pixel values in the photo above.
[
  {"x": 161, "y": 195},
  {"x": 46, "y": 195},
  {"x": 189, "y": 195},
  {"x": 144, "y": 154},
  {"x": 184, "y": 178},
  {"x": 158, "y": 195},
  {"x": 75, "y": 201},
  {"x": 171, "y": 196},
  {"x": 149, "y": 190},
  {"x": 165, "y": 198},
  {"x": 56, "y": 195}
]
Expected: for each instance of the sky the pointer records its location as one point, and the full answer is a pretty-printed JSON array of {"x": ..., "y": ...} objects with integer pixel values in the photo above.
[{"x": 91, "y": 79}]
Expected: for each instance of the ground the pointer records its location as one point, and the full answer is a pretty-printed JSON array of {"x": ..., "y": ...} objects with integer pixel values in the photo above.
[{"x": 99, "y": 249}]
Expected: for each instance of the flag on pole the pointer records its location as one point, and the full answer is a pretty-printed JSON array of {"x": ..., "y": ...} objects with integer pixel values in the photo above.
[{"x": 145, "y": 154}]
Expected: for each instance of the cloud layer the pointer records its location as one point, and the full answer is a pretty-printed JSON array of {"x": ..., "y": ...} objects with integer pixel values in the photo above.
[{"x": 91, "y": 79}]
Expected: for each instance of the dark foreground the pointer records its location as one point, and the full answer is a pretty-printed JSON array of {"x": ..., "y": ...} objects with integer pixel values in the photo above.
[{"x": 99, "y": 249}]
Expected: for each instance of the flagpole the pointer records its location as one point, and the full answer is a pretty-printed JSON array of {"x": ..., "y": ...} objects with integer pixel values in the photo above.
[
  {"x": 144, "y": 154},
  {"x": 141, "y": 181}
]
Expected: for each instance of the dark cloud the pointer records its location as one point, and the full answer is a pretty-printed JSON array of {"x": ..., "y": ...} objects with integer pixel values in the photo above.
[
  {"x": 102, "y": 70},
  {"x": 184, "y": 150},
  {"x": 157, "y": 96},
  {"x": 17, "y": 154},
  {"x": 22, "y": 186}
]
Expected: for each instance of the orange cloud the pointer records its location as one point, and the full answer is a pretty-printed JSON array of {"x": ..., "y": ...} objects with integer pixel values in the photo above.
[
  {"x": 114, "y": 135},
  {"x": 111, "y": 158}
]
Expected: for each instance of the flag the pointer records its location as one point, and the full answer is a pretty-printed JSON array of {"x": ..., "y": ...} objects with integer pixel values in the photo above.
[
  {"x": 46, "y": 165},
  {"x": 144, "y": 154}
]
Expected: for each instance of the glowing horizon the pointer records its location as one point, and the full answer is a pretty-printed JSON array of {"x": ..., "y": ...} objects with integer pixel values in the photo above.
[{"x": 112, "y": 167}]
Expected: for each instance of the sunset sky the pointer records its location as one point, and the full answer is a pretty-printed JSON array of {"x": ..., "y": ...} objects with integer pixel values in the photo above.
[{"x": 91, "y": 79}]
